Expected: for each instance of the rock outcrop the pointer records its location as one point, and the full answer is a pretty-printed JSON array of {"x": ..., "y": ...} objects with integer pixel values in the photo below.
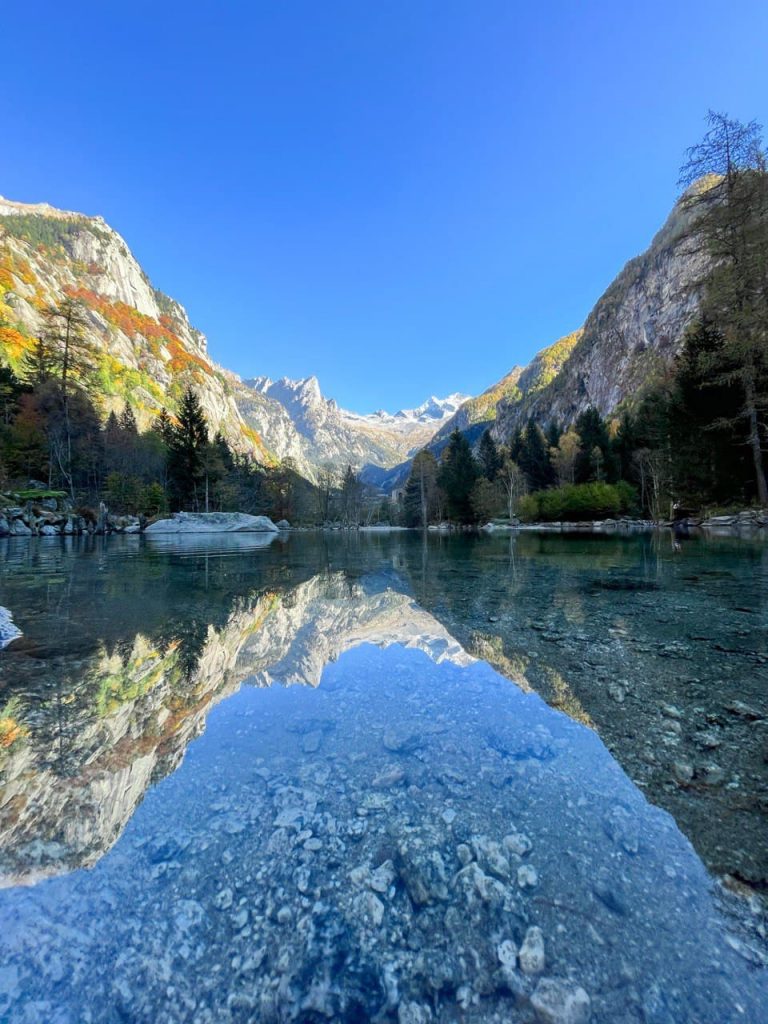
[
  {"x": 212, "y": 522},
  {"x": 635, "y": 329}
]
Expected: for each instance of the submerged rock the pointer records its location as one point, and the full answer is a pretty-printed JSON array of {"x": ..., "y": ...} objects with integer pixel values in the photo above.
[
  {"x": 560, "y": 1002},
  {"x": 531, "y": 955},
  {"x": 8, "y": 628}
]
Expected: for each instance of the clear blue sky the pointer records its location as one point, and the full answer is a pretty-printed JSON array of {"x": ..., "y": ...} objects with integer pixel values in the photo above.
[{"x": 403, "y": 197}]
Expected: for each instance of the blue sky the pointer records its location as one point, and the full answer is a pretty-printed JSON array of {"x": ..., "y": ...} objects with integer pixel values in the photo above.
[{"x": 402, "y": 197}]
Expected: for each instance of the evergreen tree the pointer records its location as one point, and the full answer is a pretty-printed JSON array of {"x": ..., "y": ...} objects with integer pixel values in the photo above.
[
  {"x": 128, "y": 421},
  {"x": 39, "y": 363},
  {"x": 596, "y": 459},
  {"x": 186, "y": 455},
  {"x": 351, "y": 495},
  {"x": 553, "y": 433},
  {"x": 457, "y": 476},
  {"x": 163, "y": 427},
  {"x": 420, "y": 498},
  {"x": 488, "y": 453},
  {"x": 534, "y": 458}
]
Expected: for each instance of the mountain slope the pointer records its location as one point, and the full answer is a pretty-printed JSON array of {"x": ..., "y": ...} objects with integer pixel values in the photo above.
[
  {"x": 149, "y": 352},
  {"x": 635, "y": 329},
  {"x": 147, "y": 349},
  {"x": 302, "y": 424}
]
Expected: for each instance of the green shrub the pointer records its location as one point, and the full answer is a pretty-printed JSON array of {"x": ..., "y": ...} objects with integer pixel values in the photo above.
[{"x": 578, "y": 502}]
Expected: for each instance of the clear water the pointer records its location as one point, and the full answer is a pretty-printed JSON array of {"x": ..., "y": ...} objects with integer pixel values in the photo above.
[{"x": 283, "y": 782}]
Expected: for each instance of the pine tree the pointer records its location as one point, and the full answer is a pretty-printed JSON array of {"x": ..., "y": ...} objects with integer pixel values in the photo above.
[
  {"x": 553, "y": 433},
  {"x": 489, "y": 457},
  {"x": 596, "y": 459},
  {"x": 128, "y": 420},
  {"x": 420, "y": 498},
  {"x": 534, "y": 458},
  {"x": 186, "y": 456},
  {"x": 164, "y": 427},
  {"x": 39, "y": 363},
  {"x": 457, "y": 476},
  {"x": 727, "y": 170}
]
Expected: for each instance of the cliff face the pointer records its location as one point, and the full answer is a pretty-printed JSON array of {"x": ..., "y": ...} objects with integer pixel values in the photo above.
[
  {"x": 148, "y": 350},
  {"x": 635, "y": 329}
]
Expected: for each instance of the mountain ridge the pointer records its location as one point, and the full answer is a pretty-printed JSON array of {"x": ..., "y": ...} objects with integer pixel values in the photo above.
[{"x": 149, "y": 351}]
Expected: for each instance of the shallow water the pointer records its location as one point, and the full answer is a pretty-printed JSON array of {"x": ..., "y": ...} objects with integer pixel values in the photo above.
[{"x": 370, "y": 827}]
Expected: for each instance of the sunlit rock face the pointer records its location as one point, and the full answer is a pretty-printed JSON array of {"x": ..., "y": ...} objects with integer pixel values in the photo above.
[
  {"x": 302, "y": 424},
  {"x": 635, "y": 329},
  {"x": 93, "y": 740},
  {"x": 148, "y": 349}
]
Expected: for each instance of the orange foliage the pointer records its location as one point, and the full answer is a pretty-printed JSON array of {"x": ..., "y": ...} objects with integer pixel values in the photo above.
[
  {"x": 14, "y": 267},
  {"x": 10, "y": 731},
  {"x": 13, "y": 343},
  {"x": 132, "y": 323}
]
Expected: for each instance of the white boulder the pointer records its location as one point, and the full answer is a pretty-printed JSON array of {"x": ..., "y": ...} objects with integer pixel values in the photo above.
[
  {"x": 8, "y": 629},
  {"x": 213, "y": 522}
]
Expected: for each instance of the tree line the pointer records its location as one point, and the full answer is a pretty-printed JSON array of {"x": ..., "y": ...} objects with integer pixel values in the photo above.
[{"x": 52, "y": 431}]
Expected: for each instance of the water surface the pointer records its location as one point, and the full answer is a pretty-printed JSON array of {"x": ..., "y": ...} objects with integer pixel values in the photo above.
[{"x": 284, "y": 783}]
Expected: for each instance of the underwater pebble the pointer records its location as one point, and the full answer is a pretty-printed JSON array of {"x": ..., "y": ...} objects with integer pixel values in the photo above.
[{"x": 560, "y": 1002}]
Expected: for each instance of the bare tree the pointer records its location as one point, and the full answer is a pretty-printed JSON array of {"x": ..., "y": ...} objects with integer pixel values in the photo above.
[
  {"x": 513, "y": 482},
  {"x": 728, "y": 168}
]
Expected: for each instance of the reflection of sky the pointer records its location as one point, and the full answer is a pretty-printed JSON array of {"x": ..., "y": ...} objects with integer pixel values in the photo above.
[{"x": 618, "y": 883}]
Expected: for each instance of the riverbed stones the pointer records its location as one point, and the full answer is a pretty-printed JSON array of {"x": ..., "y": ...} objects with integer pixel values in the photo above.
[
  {"x": 390, "y": 776},
  {"x": 531, "y": 955},
  {"x": 517, "y": 843},
  {"x": 527, "y": 876},
  {"x": 556, "y": 1001},
  {"x": 223, "y": 898},
  {"x": 422, "y": 871}
]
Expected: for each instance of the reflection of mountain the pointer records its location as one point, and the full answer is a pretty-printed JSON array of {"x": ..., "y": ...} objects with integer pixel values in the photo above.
[{"x": 86, "y": 752}]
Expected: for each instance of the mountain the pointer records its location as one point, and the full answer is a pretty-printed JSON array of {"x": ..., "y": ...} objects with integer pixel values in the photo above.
[
  {"x": 321, "y": 432},
  {"x": 635, "y": 330},
  {"x": 148, "y": 350}
]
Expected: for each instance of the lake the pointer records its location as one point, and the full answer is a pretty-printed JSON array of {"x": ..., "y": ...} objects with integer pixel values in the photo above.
[{"x": 384, "y": 777}]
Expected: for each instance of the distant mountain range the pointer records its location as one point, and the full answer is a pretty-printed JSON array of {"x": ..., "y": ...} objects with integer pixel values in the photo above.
[{"x": 149, "y": 351}]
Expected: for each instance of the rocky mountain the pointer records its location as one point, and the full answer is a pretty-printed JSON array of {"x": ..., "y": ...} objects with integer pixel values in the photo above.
[
  {"x": 314, "y": 431},
  {"x": 635, "y": 329},
  {"x": 148, "y": 350}
]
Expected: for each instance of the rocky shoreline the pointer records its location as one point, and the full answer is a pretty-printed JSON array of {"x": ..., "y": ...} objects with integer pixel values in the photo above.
[
  {"x": 752, "y": 521},
  {"x": 54, "y": 515}
]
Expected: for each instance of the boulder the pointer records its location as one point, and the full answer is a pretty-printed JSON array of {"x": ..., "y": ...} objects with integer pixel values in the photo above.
[
  {"x": 20, "y": 529},
  {"x": 283, "y": 524},
  {"x": 8, "y": 629},
  {"x": 213, "y": 522},
  {"x": 560, "y": 1002}
]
